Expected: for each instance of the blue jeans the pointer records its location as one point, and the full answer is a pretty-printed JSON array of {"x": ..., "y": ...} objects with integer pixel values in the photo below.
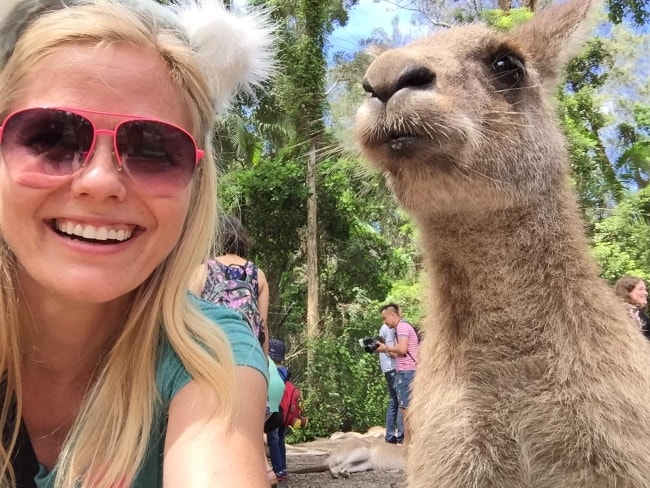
[
  {"x": 394, "y": 419},
  {"x": 403, "y": 386},
  {"x": 277, "y": 449}
]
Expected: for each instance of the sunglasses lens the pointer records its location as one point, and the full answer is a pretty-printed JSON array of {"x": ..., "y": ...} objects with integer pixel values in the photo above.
[
  {"x": 158, "y": 154},
  {"x": 41, "y": 144},
  {"x": 44, "y": 141}
]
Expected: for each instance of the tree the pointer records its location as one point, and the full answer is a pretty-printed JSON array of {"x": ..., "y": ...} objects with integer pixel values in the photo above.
[
  {"x": 444, "y": 12},
  {"x": 634, "y": 162},
  {"x": 300, "y": 96},
  {"x": 621, "y": 241}
]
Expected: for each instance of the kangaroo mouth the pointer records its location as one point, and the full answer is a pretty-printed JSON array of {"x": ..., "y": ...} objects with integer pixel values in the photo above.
[
  {"x": 387, "y": 136},
  {"x": 398, "y": 142},
  {"x": 407, "y": 137}
]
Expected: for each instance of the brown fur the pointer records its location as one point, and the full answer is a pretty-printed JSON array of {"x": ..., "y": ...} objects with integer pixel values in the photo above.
[
  {"x": 531, "y": 375},
  {"x": 357, "y": 455}
]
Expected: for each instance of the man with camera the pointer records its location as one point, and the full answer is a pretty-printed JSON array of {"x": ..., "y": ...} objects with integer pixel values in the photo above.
[
  {"x": 405, "y": 352},
  {"x": 387, "y": 363},
  {"x": 394, "y": 420}
]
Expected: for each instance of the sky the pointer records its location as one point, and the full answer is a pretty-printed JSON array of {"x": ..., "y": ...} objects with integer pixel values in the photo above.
[{"x": 364, "y": 17}]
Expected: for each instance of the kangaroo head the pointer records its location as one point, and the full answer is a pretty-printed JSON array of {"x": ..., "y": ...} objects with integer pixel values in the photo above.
[{"x": 461, "y": 120}]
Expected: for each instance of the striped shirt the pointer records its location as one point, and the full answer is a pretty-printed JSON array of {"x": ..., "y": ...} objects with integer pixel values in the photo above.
[{"x": 408, "y": 362}]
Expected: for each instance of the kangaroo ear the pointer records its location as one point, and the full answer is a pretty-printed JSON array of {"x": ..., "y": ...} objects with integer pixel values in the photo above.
[{"x": 556, "y": 34}]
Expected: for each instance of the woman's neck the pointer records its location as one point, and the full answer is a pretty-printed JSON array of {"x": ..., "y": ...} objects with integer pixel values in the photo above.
[
  {"x": 229, "y": 259},
  {"x": 66, "y": 339}
]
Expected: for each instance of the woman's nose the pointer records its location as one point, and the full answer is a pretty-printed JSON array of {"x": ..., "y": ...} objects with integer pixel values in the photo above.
[{"x": 101, "y": 176}]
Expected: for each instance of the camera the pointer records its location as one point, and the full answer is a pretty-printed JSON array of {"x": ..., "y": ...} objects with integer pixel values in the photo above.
[{"x": 370, "y": 344}]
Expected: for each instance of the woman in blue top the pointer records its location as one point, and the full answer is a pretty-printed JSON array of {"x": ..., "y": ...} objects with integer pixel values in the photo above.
[{"x": 112, "y": 376}]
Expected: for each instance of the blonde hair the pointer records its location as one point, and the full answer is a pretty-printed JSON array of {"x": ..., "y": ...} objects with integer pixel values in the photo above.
[{"x": 110, "y": 436}]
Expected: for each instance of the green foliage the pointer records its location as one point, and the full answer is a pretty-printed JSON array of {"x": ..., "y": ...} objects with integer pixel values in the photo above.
[
  {"x": 349, "y": 392},
  {"x": 638, "y": 10},
  {"x": 591, "y": 69},
  {"x": 506, "y": 20},
  {"x": 354, "y": 252},
  {"x": 596, "y": 180},
  {"x": 580, "y": 102},
  {"x": 269, "y": 197},
  {"x": 621, "y": 242},
  {"x": 634, "y": 162},
  {"x": 409, "y": 296},
  {"x": 357, "y": 250}
]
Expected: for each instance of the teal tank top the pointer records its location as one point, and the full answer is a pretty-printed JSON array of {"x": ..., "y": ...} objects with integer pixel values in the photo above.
[
  {"x": 276, "y": 387},
  {"x": 171, "y": 376}
]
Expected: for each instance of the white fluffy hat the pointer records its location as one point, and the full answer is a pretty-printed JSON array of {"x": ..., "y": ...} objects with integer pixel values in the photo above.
[{"x": 236, "y": 48}]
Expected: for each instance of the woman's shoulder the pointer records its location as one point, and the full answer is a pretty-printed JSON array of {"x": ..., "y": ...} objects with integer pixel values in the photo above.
[
  {"x": 245, "y": 346},
  {"x": 172, "y": 375}
]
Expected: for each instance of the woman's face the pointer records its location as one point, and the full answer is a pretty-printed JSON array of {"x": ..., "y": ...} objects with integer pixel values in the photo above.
[
  {"x": 42, "y": 223},
  {"x": 639, "y": 294}
]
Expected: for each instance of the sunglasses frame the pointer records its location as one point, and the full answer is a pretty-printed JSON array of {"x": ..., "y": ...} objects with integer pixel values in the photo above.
[{"x": 199, "y": 153}]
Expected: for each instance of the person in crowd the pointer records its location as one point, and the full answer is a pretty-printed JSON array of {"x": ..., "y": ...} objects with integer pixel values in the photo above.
[
  {"x": 632, "y": 290},
  {"x": 406, "y": 358},
  {"x": 273, "y": 414},
  {"x": 387, "y": 363},
  {"x": 113, "y": 375},
  {"x": 234, "y": 281},
  {"x": 276, "y": 438}
]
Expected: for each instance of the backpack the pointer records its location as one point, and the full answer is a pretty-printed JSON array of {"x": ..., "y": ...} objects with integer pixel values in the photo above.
[
  {"x": 235, "y": 287},
  {"x": 291, "y": 406},
  {"x": 418, "y": 333}
]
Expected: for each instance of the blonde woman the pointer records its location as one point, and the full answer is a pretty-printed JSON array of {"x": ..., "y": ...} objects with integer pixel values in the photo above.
[
  {"x": 632, "y": 290},
  {"x": 112, "y": 376}
]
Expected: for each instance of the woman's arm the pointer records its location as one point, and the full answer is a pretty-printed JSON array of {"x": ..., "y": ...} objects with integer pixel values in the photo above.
[
  {"x": 201, "y": 450},
  {"x": 263, "y": 305}
]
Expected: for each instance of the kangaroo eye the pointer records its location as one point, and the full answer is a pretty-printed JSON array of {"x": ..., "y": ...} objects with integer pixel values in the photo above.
[{"x": 509, "y": 69}]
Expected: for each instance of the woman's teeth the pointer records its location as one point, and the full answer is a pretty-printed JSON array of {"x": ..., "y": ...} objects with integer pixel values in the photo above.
[{"x": 102, "y": 233}]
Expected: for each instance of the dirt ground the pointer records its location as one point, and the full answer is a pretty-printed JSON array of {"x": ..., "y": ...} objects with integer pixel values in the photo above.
[{"x": 315, "y": 453}]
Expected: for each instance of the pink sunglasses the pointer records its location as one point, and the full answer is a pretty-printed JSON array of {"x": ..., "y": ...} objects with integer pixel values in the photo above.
[{"x": 42, "y": 145}]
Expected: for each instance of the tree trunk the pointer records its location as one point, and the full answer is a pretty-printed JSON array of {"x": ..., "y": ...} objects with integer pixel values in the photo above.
[
  {"x": 312, "y": 249},
  {"x": 531, "y": 4},
  {"x": 504, "y": 5}
]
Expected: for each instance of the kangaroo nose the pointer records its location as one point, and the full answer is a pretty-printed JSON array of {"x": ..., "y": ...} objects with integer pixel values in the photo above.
[{"x": 393, "y": 71}]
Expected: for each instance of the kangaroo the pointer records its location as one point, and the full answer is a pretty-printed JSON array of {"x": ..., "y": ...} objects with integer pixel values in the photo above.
[
  {"x": 372, "y": 432},
  {"x": 531, "y": 375},
  {"x": 359, "y": 455}
]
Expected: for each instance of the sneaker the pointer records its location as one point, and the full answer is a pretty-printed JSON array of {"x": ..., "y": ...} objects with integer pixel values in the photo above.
[{"x": 281, "y": 476}]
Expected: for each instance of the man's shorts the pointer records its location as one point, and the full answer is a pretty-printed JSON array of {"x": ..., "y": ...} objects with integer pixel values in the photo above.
[{"x": 403, "y": 387}]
